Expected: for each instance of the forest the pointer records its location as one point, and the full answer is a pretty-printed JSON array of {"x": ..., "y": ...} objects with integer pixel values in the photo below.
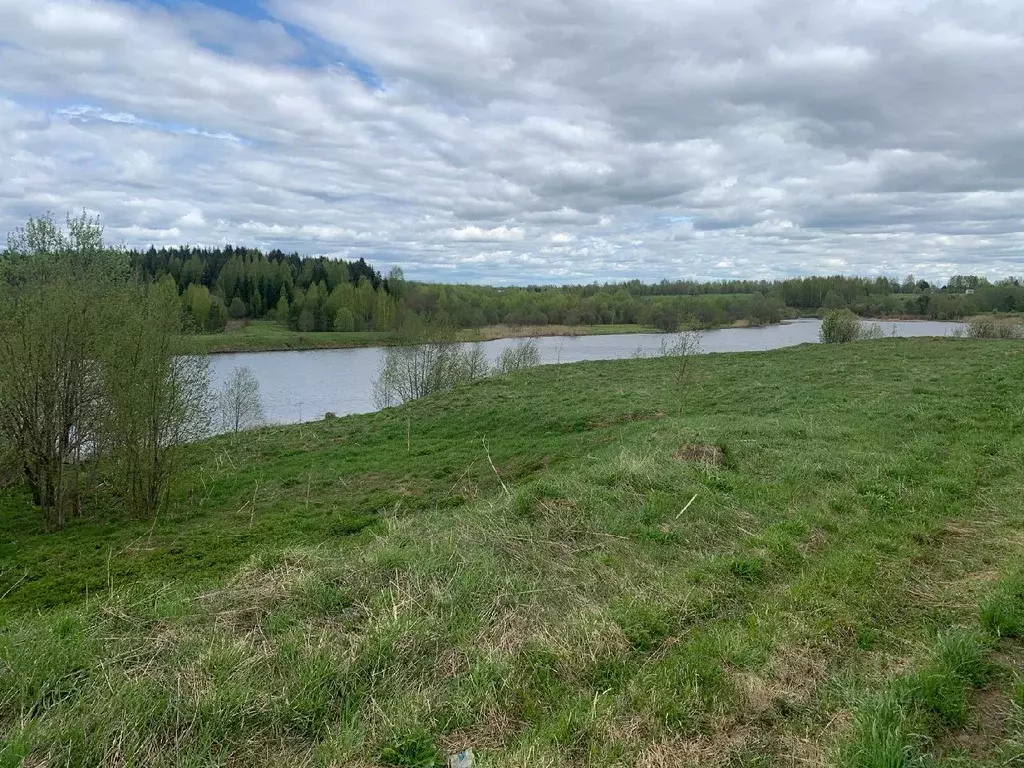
[{"x": 315, "y": 293}]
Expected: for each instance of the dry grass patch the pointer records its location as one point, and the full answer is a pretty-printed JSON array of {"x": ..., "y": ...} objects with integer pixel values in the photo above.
[{"x": 709, "y": 456}]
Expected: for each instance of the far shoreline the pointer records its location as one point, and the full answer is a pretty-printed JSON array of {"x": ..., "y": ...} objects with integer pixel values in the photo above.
[{"x": 269, "y": 336}]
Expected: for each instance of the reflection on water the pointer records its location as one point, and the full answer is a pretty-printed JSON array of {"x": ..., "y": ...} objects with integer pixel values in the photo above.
[{"x": 303, "y": 386}]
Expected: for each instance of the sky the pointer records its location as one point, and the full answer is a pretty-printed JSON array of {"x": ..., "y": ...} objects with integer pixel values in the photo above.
[{"x": 530, "y": 141}]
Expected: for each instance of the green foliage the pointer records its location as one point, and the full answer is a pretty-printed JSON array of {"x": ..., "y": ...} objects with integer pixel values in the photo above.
[
  {"x": 155, "y": 399},
  {"x": 281, "y": 313},
  {"x": 832, "y": 301},
  {"x": 261, "y": 280},
  {"x": 344, "y": 321},
  {"x": 218, "y": 318},
  {"x": 237, "y": 309},
  {"x": 90, "y": 368},
  {"x": 197, "y": 303},
  {"x": 665, "y": 317},
  {"x": 55, "y": 286},
  {"x": 840, "y": 326}
]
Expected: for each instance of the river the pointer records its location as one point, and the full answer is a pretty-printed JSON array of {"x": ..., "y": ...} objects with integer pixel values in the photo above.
[{"x": 303, "y": 386}]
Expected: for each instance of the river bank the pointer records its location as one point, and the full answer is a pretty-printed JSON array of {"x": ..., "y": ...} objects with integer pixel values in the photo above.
[
  {"x": 269, "y": 336},
  {"x": 304, "y": 385}
]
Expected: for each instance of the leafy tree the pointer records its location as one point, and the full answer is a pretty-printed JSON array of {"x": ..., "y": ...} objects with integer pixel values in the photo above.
[
  {"x": 666, "y": 318},
  {"x": 834, "y": 301},
  {"x": 282, "y": 309},
  {"x": 256, "y": 303},
  {"x": 759, "y": 312},
  {"x": 237, "y": 309},
  {"x": 218, "y": 318},
  {"x": 307, "y": 317},
  {"x": 840, "y": 326},
  {"x": 54, "y": 283},
  {"x": 155, "y": 398},
  {"x": 197, "y": 302},
  {"x": 261, "y": 279},
  {"x": 396, "y": 284},
  {"x": 344, "y": 321}
]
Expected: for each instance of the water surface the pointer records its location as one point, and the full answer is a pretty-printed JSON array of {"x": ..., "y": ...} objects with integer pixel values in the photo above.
[{"x": 303, "y": 386}]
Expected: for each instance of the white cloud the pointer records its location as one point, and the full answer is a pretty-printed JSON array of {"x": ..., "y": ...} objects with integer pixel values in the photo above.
[
  {"x": 478, "y": 234},
  {"x": 612, "y": 140}
]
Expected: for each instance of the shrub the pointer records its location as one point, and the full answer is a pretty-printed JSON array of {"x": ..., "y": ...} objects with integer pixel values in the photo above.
[
  {"x": 840, "y": 326},
  {"x": 683, "y": 348},
  {"x": 868, "y": 331},
  {"x": 427, "y": 360},
  {"x": 666, "y": 318},
  {"x": 525, "y": 354},
  {"x": 991, "y": 328},
  {"x": 237, "y": 309}
]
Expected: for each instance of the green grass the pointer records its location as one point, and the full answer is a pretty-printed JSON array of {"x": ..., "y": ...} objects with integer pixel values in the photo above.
[
  {"x": 844, "y": 590},
  {"x": 267, "y": 335}
]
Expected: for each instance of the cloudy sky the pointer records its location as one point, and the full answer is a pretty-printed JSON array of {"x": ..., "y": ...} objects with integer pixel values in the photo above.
[{"x": 530, "y": 140}]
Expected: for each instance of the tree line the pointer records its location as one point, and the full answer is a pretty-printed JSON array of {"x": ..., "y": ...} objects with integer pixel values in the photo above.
[
  {"x": 313, "y": 294},
  {"x": 307, "y": 294}
]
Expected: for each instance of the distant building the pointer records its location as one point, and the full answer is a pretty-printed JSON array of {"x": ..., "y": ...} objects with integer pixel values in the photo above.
[{"x": 969, "y": 291}]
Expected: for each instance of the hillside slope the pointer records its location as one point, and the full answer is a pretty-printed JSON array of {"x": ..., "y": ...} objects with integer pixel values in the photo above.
[{"x": 802, "y": 557}]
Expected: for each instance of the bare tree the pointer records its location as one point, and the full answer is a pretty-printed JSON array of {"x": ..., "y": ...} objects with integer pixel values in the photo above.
[
  {"x": 524, "y": 354},
  {"x": 681, "y": 351},
  {"x": 474, "y": 362},
  {"x": 428, "y": 359},
  {"x": 241, "y": 406}
]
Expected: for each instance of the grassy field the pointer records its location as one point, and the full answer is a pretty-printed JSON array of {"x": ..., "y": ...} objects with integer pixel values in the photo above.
[
  {"x": 817, "y": 562},
  {"x": 267, "y": 335}
]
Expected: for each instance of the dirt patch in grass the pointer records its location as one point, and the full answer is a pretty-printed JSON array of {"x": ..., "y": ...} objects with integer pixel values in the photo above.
[
  {"x": 701, "y": 453},
  {"x": 992, "y": 708},
  {"x": 627, "y": 418},
  {"x": 492, "y": 734}
]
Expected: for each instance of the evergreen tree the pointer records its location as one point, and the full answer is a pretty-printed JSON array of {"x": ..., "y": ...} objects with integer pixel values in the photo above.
[{"x": 282, "y": 310}]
